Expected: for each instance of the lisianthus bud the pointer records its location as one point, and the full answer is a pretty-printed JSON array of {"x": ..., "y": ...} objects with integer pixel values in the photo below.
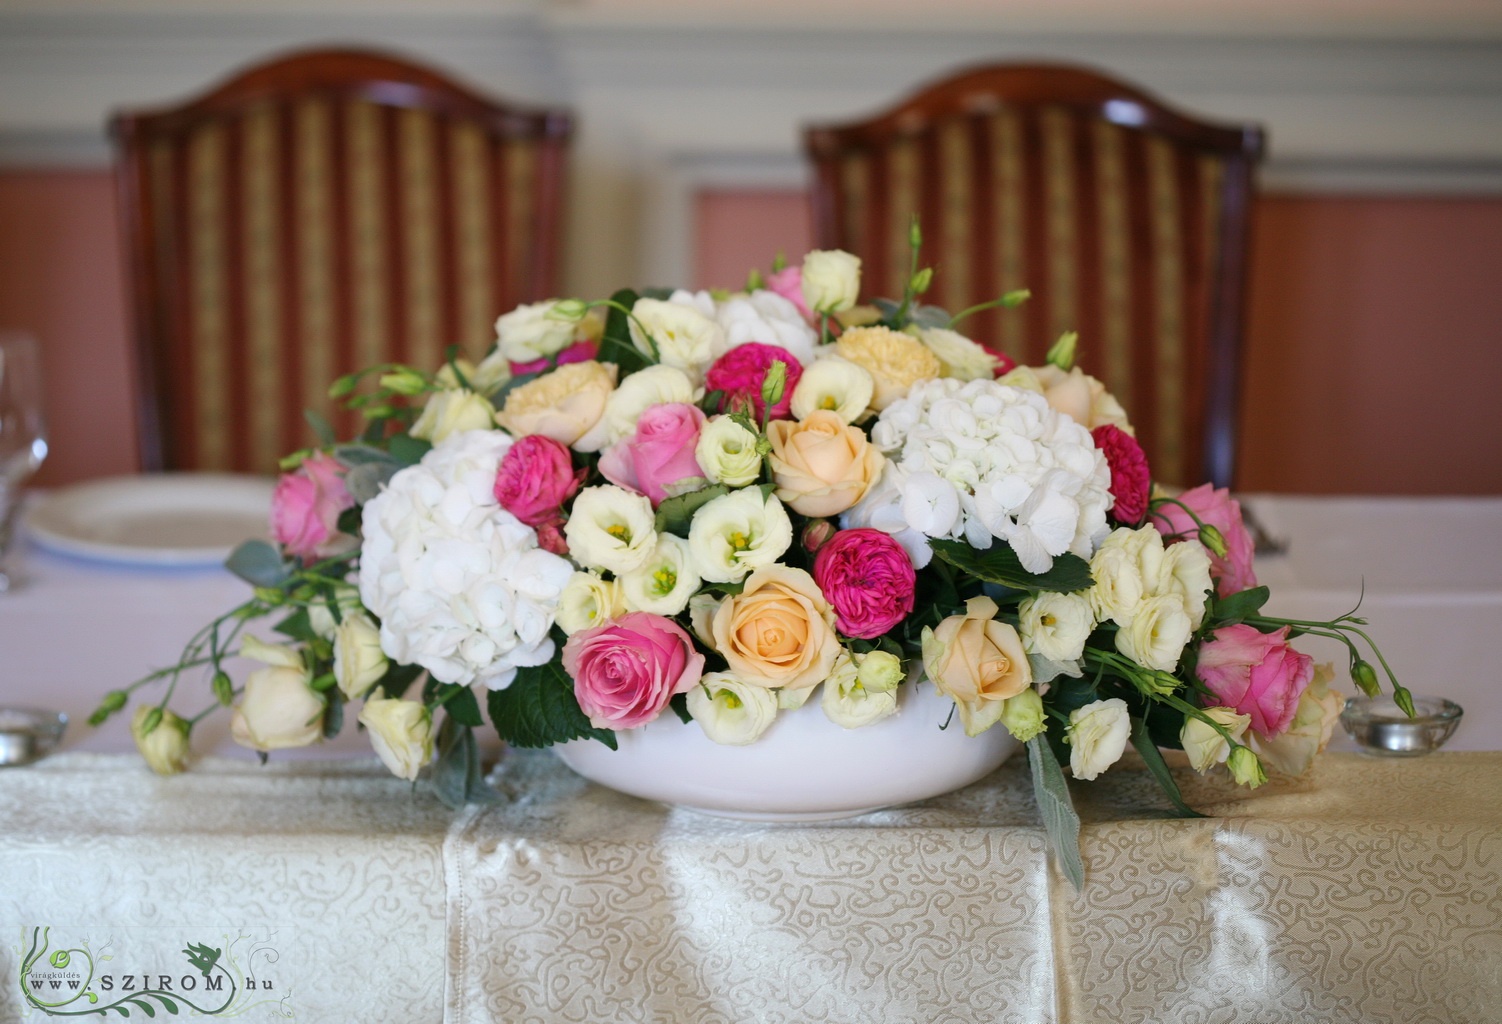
[
  {"x": 1023, "y": 715},
  {"x": 164, "y": 744},
  {"x": 921, "y": 280},
  {"x": 1245, "y": 768},
  {"x": 880, "y": 671},
  {"x": 1156, "y": 683},
  {"x": 816, "y": 534},
  {"x": 404, "y": 381},
  {"x": 568, "y": 310},
  {"x": 774, "y": 384},
  {"x": 1062, "y": 352},
  {"x": 1213, "y": 539},
  {"x": 1364, "y": 676},
  {"x": 224, "y": 689},
  {"x": 114, "y": 700},
  {"x": 1403, "y": 699}
]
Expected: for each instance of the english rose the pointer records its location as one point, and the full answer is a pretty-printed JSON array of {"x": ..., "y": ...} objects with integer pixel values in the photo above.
[
  {"x": 1131, "y": 480},
  {"x": 627, "y": 670},
  {"x": 831, "y": 280},
  {"x": 453, "y": 411},
  {"x": 868, "y": 579},
  {"x": 661, "y": 452},
  {"x": 822, "y": 465},
  {"x": 978, "y": 661},
  {"x": 401, "y": 731},
  {"x": 1256, "y": 673},
  {"x": 278, "y": 707},
  {"x": 1097, "y": 736},
  {"x": 563, "y": 405},
  {"x": 165, "y": 747},
  {"x": 778, "y": 631},
  {"x": 535, "y": 478},
  {"x": 1293, "y": 751},
  {"x": 1233, "y": 572},
  {"x": 895, "y": 361},
  {"x": 740, "y": 373},
  {"x": 305, "y": 508}
]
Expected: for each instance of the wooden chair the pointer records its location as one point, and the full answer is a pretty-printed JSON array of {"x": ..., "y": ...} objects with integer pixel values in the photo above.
[
  {"x": 313, "y": 215},
  {"x": 1126, "y": 219}
]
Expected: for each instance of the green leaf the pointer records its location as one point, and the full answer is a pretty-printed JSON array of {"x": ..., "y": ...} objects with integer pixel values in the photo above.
[
  {"x": 408, "y": 450},
  {"x": 1000, "y": 564},
  {"x": 333, "y": 716},
  {"x": 679, "y": 704},
  {"x": 297, "y": 626},
  {"x": 538, "y": 709},
  {"x": 1143, "y": 741},
  {"x": 457, "y": 776},
  {"x": 258, "y": 563},
  {"x": 170, "y": 1006},
  {"x": 321, "y": 430},
  {"x": 675, "y": 514},
  {"x": 398, "y": 679},
  {"x": 615, "y": 344},
  {"x": 364, "y": 482},
  {"x": 1051, "y": 790},
  {"x": 462, "y": 706},
  {"x": 1236, "y": 607}
]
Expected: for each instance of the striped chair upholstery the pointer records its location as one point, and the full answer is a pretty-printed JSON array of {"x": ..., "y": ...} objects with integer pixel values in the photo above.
[
  {"x": 1127, "y": 220},
  {"x": 314, "y": 215}
]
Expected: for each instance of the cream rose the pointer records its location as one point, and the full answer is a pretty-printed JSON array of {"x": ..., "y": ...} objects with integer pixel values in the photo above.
[
  {"x": 654, "y": 385},
  {"x": 1292, "y": 752},
  {"x": 587, "y": 601},
  {"x": 848, "y": 703},
  {"x": 831, "y": 280},
  {"x": 359, "y": 662},
  {"x": 1055, "y": 625},
  {"x": 165, "y": 747},
  {"x": 663, "y": 583},
  {"x": 1097, "y": 736},
  {"x": 778, "y": 631},
  {"x": 959, "y": 357},
  {"x": 278, "y": 708},
  {"x": 977, "y": 661},
  {"x": 736, "y": 533},
  {"x": 684, "y": 337},
  {"x": 730, "y": 711},
  {"x": 531, "y": 332},
  {"x": 611, "y": 528},
  {"x": 563, "y": 404},
  {"x": 453, "y": 412},
  {"x": 401, "y": 731},
  {"x": 1204, "y": 744},
  {"x": 895, "y": 361},
  {"x": 822, "y": 465},
  {"x": 1072, "y": 392},
  {"x": 726, "y": 451},
  {"x": 836, "y": 384}
]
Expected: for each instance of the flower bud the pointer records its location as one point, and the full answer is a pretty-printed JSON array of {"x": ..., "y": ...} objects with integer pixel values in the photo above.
[
  {"x": 1156, "y": 683},
  {"x": 343, "y": 386},
  {"x": 1062, "y": 352},
  {"x": 774, "y": 383},
  {"x": 162, "y": 739},
  {"x": 1023, "y": 715},
  {"x": 754, "y": 281},
  {"x": 114, "y": 701},
  {"x": 224, "y": 689},
  {"x": 568, "y": 310},
  {"x": 405, "y": 381},
  {"x": 921, "y": 280},
  {"x": 1245, "y": 768},
  {"x": 269, "y": 596},
  {"x": 880, "y": 671},
  {"x": 1364, "y": 676},
  {"x": 816, "y": 534},
  {"x": 1404, "y": 700},
  {"x": 1213, "y": 539},
  {"x": 914, "y": 234},
  {"x": 1013, "y": 299}
]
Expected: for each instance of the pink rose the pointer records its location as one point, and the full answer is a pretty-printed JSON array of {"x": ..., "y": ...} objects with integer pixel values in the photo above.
[
  {"x": 739, "y": 374},
  {"x": 1256, "y": 673},
  {"x": 788, "y": 282},
  {"x": 659, "y": 454},
  {"x": 578, "y": 352},
  {"x": 627, "y": 670},
  {"x": 534, "y": 480},
  {"x": 1131, "y": 482},
  {"x": 1216, "y": 508},
  {"x": 305, "y": 508},
  {"x": 868, "y": 579}
]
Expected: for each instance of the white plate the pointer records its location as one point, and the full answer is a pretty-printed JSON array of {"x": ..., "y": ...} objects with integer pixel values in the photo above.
[{"x": 159, "y": 519}]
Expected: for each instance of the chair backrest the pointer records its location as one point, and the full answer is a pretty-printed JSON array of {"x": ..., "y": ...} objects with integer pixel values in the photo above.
[
  {"x": 317, "y": 214},
  {"x": 1127, "y": 220}
]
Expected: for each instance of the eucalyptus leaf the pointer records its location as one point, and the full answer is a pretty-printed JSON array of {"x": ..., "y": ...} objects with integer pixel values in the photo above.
[
  {"x": 1051, "y": 790},
  {"x": 1143, "y": 741},
  {"x": 321, "y": 428},
  {"x": 457, "y": 777},
  {"x": 365, "y": 481},
  {"x": 259, "y": 563},
  {"x": 360, "y": 454},
  {"x": 1000, "y": 564}
]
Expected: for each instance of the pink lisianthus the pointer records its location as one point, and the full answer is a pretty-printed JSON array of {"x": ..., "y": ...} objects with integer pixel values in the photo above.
[
  {"x": 868, "y": 579},
  {"x": 659, "y": 454},
  {"x": 788, "y": 282},
  {"x": 305, "y": 508},
  {"x": 578, "y": 352},
  {"x": 1131, "y": 481},
  {"x": 1233, "y": 572},
  {"x": 535, "y": 478},
  {"x": 627, "y": 670},
  {"x": 1256, "y": 673},
  {"x": 740, "y": 372}
]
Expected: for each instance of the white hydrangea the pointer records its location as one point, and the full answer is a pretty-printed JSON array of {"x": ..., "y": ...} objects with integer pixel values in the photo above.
[
  {"x": 459, "y": 583},
  {"x": 979, "y": 460}
]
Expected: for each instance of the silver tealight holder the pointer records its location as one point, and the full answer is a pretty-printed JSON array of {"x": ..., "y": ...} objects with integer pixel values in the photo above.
[
  {"x": 1382, "y": 728},
  {"x": 28, "y": 734}
]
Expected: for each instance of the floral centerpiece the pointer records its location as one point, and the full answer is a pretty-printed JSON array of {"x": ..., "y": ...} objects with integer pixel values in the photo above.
[{"x": 721, "y": 507}]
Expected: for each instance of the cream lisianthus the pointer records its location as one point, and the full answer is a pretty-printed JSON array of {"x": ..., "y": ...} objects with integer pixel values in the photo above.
[
  {"x": 453, "y": 412},
  {"x": 729, "y": 711},
  {"x": 587, "y": 601},
  {"x": 610, "y": 528},
  {"x": 726, "y": 451},
  {"x": 895, "y": 361},
  {"x": 831, "y": 280},
  {"x": 1292, "y": 751},
  {"x": 165, "y": 747},
  {"x": 737, "y": 533},
  {"x": 1097, "y": 736},
  {"x": 563, "y": 404},
  {"x": 1056, "y": 625},
  {"x": 1118, "y": 588},
  {"x": 532, "y": 332},
  {"x": 959, "y": 357},
  {"x": 653, "y": 385},
  {"x": 663, "y": 583},
  {"x": 685, "y": 338},
  {"x": 835, "y": 384},
  {"x": 1156, "y": 636},
  {"x": 847, "y": 702},
  {"x": 1023, "y": 715},
  {"x": 359, "y": 662},
  {"x": 401, "y": 731},
  {"x": 1188, "y": 564},
  {"x": 1204, "y": 744},
  {"x": 321, "y": 615}
]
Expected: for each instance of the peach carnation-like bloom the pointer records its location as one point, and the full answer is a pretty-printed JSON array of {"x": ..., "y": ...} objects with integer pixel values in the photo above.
[
  {"x": 563, "y": 404},
  {"x": 778, "y": 631},
  {"x": 822, "y": 465},
  {"x": 894, "y": 360}
]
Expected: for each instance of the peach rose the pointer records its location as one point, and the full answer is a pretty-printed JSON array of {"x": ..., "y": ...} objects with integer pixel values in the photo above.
[
  {"x": 978, "y": 661},
  {"x": 778, "y": 631},
  {"x": 563, "y": 404},
  {"x": 895, "y": 361},
  {"x": 822, "y": 465}
]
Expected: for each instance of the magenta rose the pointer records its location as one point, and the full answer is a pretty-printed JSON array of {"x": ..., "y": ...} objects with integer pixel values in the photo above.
[
  {"x": 868, "y": 578},
  {"x": 788, "y": 282},
  {"x": 627, "y": 670},
  {"x": 1233, "y": 573},
  {"x": 1131, "y": 482},
  {"x": 659, "y": 454},
  {"x": 1256, "y": 673},
  {"x": 578, "y": 352},
  {"x": 739, "y": 374},
  {"x": 534, "y": 480},
  {"x": 305, "y": 508}
]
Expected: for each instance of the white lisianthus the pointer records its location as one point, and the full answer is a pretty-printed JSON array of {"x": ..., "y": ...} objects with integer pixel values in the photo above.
[
  {"x": 831, "y": 280},
  {"x": 960, "y": 357},
  {"x": 684, "y": 337},
  {"x": 588, "y": 601},
  {"x": 765, "y": 317},
  {"x": 1055, "y": 625},
  {"x": 848, "y": 703},
  {"x": 736, "y": 533},
  {"x": 880, "y": 671},
  {"x": 401, "y": 731},
  {"x": 663, "y": 583},
  {"x": 791, "y": 698},
  {"x": 1205, "y": 745},
  {"x": 1118, "y": 589},
  {"x": 359, "y": 662},
  {"x": 729, "y": 711},
  {"x": 321, "y": 615},
  {"x": 1097, "y": 736},
  {"x": 1156, "y": 636},
  {"x": 459, "y": 584},
  {"x": 1145, "y": 547},
  {"x": 653, "y": 385},
  {"x": 1188, "y": 564},
  {"x": 529, "y": 333},
  {"x": 727, "y": 453},
  {"x": 1292, "y": 752},
  {"x": 453, "y": 412},
  {"x": 611, "y": 528},
  {"x": 1023, "y": 715},
  {"x": 836, "y": 384},
  {"x": 492, "y": 371}
]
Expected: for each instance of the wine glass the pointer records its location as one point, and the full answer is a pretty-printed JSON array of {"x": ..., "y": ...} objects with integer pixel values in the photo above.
[{"x": 23, "y": 438}]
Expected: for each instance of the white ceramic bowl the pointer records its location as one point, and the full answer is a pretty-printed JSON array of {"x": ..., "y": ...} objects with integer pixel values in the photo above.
[{"x": 805, "y": 767}]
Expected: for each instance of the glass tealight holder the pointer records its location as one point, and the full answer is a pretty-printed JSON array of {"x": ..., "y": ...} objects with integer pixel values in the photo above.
[
  {"x": 1382, "y": 729},
  {"x": 28, "y": 734}
]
